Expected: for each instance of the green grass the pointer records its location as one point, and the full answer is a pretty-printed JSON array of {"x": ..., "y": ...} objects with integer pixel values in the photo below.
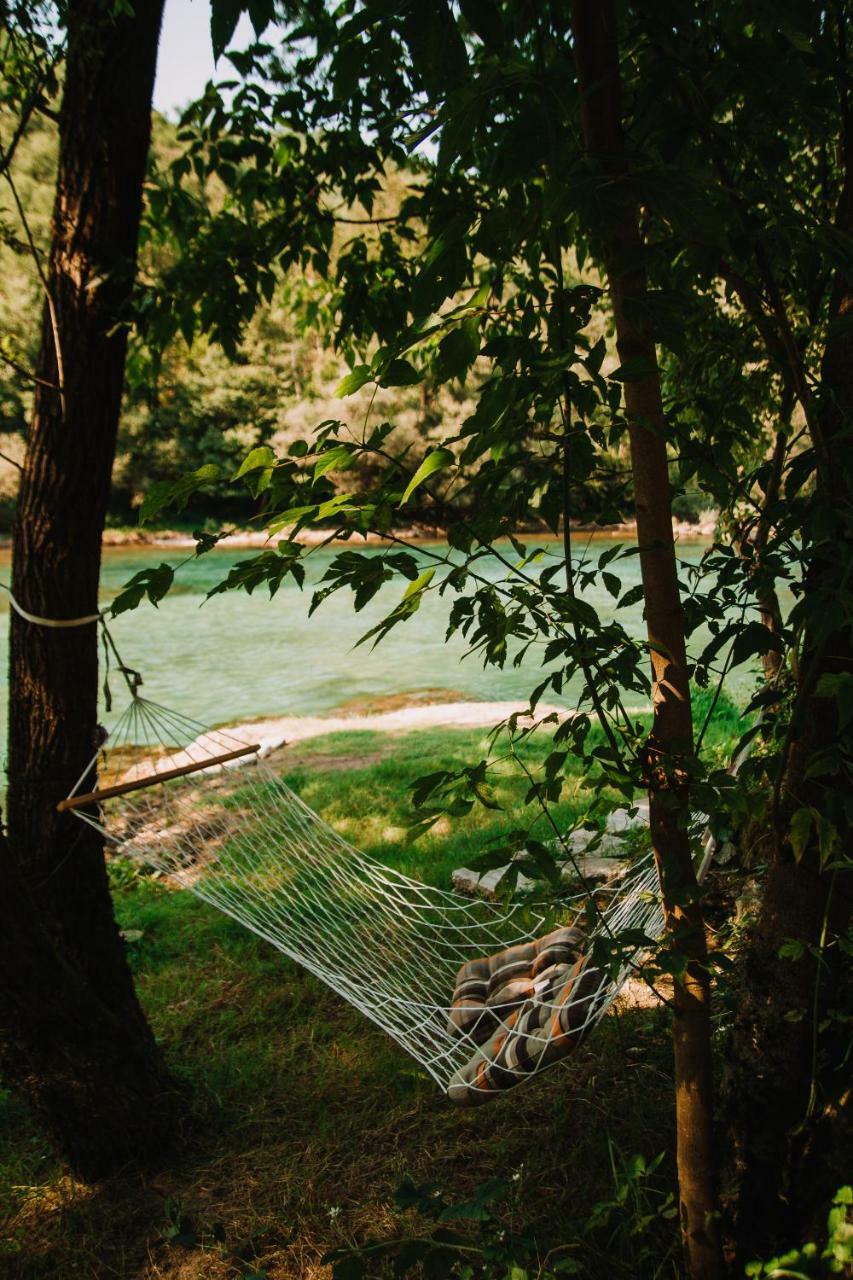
[
  {"x": 304, "y": 1117},
  {"x": 371, "y": 804}
]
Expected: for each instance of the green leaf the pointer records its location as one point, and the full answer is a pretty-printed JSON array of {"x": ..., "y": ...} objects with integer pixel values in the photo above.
[
  {"x": 419, "y": 585},
  {"x": 259, "y": 459},
  {"x": 752, "y": 639},
  {"x": 457, "y": 351},
  {"x": 400, "y": 373},
  {"x": 436, "y": 48},
  {"x": 484, "y": 19},
  {"x": 175, "y": 493},
  {"x": 205, "y": 542},
  {"x": 596, "y": 356},
  {"x": 432, "y": 463},
  {"x": 338, "y": 458},
  {"x": 634, "y": 370},
  {"x": 799, "y": 39},
  {"x": 838, "y": 685},
  {"x": 340, "y": 502},
  {"x": 477, "y": 1209},
  {"x": 409, "y": 604},
  {"x": 632, "y": 596},
  {"x": 224, "y": 16},
  {"x": 801, "y": 827},
  {"x": 354, "y": 381},
  {"x": 153, "y": 583},
  {"x": 489, "y": 861},
  {"x": 261, "y": 14}
]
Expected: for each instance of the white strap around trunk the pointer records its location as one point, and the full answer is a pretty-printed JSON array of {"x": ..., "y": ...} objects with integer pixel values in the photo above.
[{"x": 48, "y": 622}]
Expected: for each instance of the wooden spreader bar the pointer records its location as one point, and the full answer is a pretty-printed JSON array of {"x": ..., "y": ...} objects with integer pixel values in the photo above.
[{"x": 151, "y": 779}]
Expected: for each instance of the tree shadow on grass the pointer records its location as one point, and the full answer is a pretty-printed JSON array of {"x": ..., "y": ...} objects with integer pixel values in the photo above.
[{"x": 305, "y": 1118}]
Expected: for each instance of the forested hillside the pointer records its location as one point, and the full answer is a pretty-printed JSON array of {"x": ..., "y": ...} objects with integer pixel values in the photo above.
[
  {"x": 190, "y": 404},
  {"x": 187, "y": 404}
]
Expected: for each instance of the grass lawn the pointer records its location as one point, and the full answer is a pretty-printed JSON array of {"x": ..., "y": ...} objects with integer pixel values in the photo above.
[{"x": 304, "y": 1118}]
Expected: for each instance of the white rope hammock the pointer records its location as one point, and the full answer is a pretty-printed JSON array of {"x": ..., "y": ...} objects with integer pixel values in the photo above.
[{"x": 240, "y": 839}]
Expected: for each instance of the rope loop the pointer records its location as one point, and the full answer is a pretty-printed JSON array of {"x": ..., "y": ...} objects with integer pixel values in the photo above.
[{"x": 39, "y": 621}]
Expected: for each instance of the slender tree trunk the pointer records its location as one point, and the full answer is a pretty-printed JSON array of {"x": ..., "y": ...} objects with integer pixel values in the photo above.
[
  {"x": 75, "y": 1040},
  {"x": 754, "y": 545},
  {"x": 671, "y": 738}
]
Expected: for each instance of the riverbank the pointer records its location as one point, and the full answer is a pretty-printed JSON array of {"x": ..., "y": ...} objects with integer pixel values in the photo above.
[
  {"x": 305, "y": 1117},
  {"x": 274, "y": 732},
  {"x": 240, "y": 539}
]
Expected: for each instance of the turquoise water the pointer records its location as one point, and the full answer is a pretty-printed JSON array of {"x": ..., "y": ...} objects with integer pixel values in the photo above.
[{"x": 237, "y": 656}]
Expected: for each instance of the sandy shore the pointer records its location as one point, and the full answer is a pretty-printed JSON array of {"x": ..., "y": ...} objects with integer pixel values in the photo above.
[
  {"x": 273, "y": 733},
  {"x": 249, "y": 539},
  {"x": 244, "y": 538},
  {"x": 287, "y": 730},
  {"x": 257, "y": 538}
]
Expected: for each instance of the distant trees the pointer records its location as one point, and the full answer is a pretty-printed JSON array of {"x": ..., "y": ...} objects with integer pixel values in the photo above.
[
  {"x": 186, "y": 401},
  {"x": 185, "y": 405}
]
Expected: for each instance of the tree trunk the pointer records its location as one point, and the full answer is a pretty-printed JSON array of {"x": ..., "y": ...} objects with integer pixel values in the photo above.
[
  {"x": 753, "y": 546},
  {"x": 789, "y": 1096},
  {"x": 671, "y": 739},
  {"x": 75, "y": 1040}
]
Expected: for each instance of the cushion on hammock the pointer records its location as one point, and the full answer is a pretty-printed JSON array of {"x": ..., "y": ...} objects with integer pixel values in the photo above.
[
  {"x": 488, "y": 988},
  {"x": 537, "y": 1033}
]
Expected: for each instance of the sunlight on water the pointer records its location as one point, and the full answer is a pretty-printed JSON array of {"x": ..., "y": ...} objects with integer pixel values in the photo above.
[{"x": 236, "y": 656}]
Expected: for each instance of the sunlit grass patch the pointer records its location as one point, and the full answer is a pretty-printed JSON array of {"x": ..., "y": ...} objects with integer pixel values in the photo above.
[{"x": 372, "y": 807}]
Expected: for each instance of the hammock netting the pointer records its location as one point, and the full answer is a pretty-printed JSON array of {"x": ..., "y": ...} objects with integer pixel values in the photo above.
[{"x": 481, "y": 994}]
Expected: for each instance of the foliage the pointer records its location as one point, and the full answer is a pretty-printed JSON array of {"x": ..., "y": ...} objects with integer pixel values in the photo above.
[
  {"x": 630, "y": 1229},
  {"x": 185, "y": 404},
  {"x": 29, "y": 51},
  {"x": 834, "y": 1259},
  {"x": 493, "y": 286},
  {"x": 482, "y": 280}
]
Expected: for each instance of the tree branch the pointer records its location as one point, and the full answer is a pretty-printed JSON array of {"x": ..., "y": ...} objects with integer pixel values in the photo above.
[{"x": 51, "y": 308}]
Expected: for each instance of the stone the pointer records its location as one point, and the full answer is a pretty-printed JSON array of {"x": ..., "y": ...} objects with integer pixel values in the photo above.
[
  {"x": 605, "y": 863},
  {"x": 594, "y": 870},
  {"x": 619, "y": 820}
]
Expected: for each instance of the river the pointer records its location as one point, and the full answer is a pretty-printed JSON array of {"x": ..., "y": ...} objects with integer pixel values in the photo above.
[{"x": 235, "y": 656}]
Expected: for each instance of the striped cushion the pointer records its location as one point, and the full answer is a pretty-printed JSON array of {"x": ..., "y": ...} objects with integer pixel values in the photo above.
[
  {"x": 534, "y": 1033},
  {"x": 487, "y": 989}
]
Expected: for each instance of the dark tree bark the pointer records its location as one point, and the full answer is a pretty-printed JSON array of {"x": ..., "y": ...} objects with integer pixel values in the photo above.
[
  {"x": 74, "y": 1038},
  {"x": 752, "y": 544},
  {"x": 671, "y": 739},
  {"x": 788, "y": 1101}
]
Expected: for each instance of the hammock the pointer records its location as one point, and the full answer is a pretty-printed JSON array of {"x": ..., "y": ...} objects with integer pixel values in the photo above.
[{"x": 482, "y": 995}]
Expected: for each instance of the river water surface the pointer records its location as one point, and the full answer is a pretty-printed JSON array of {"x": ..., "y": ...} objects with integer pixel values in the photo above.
[{"x": 235, "y": 656}]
